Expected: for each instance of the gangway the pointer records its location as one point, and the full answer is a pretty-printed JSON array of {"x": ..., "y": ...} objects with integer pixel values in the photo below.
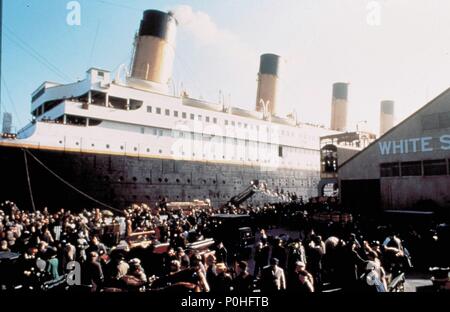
[{"x": 256, "y": 186}]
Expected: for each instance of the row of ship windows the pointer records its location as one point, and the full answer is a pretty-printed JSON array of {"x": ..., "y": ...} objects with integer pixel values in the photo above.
[
  {"x": 215, "y": 139},
  {"x": 183, "y": 115},
  {"x": 303, "y": 183},
  {"x": 304, "y": 164},
  {"x": 160, "y": 151},
  {"x": 159, "y": 197},
  {"x": 214, "y": 120}
]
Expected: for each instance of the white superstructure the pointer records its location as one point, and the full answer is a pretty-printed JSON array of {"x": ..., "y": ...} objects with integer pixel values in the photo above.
[{"x": 101, "y": 115}]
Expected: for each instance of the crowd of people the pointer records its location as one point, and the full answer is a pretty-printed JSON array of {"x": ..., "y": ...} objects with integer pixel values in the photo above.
[{"x": 50, "y": 244}]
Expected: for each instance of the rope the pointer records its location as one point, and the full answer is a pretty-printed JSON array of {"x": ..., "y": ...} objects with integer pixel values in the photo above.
[
  {"x": 71, "y": 186},
  {"x": 29, "y": 181}
]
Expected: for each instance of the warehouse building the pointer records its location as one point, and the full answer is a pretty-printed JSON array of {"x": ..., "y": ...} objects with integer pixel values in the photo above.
[{"x": 407, "y": 168}]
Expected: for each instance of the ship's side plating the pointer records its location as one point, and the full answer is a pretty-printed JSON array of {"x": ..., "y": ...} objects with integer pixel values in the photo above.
[{"x": 122, "y": 180}]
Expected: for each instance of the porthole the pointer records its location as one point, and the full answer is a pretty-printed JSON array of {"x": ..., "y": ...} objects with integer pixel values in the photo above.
[
  {"x": 121, "y": 147},
  {"x": 92, "y": 144},
  {"x": 60, "y": 142},
  {"x": 160, "y": 179},
  {"x": 148, "y": 150},
  {"x": 178, "y": 180},
  {"x": 214, "y": 181},
  {"x": 134, "y": 179},
  {"x": 166, "y": 180},
  {"x": 107, "y": 145},
  {"x": 223, "y": 182},
  {"x": 76, "y": 143},
  {"x": 188, "y": 180},
  {"x": 135, "y": 149},
  {"x": 121, "y": 179}
]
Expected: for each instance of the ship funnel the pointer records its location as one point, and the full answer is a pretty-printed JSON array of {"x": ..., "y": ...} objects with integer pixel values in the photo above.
[
  {"x": 154, "y": 50},
  {"x": 266, "y": 97},
  {"x": 339, "y": 106},
  {"x": 386, "y": 116}
]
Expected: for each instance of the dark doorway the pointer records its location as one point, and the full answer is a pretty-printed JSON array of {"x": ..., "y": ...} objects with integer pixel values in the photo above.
[{"x": 361, "y": 196}]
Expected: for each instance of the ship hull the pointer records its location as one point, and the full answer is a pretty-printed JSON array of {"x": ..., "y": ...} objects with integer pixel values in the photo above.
[{"x": 60, "y": 179}]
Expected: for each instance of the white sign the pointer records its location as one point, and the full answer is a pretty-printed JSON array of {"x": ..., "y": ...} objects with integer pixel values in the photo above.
[{"x": 414, "y": 145}]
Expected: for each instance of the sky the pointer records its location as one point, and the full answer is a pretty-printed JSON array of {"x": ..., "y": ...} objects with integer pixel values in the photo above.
[{"x": 386, "y": 49}]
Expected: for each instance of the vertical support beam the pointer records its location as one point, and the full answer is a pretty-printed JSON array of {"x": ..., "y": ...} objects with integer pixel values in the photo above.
[
  {"x": 89, "y": 97},
  {"x": 107, "y": 100},
  {"x": 64, "y": 119}
]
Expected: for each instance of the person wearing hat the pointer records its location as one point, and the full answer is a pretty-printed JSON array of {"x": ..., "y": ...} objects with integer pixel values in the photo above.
[
  {"x": 279, "y": 252},
  {"x": 221, "y": 253},
  {"x": 272, "y": 277},
  {"x": 243, "y": 282},
  {"x": 262, "y": 251},
  {"x": 211, "y": 272},
  {"x": 304, "y": 282},
  {"x": 223, "y": 280},
  {"x": 52, "y": 263},
  {"x": 93, "y": 272},
  {"x": 97, "y": 246},
  {"x": 183, "y": 258},
  {"x": 136, "y": 270},
  {"x": 4, "y": 246}
]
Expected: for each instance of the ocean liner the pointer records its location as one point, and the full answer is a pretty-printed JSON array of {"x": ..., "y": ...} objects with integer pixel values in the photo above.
[{"x": 123, "y": 138}]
